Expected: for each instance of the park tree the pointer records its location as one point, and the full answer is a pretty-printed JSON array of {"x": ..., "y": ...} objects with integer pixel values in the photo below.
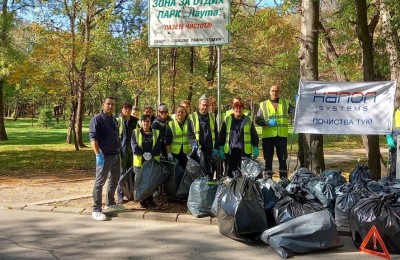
[{"x": 310, "y": 154}]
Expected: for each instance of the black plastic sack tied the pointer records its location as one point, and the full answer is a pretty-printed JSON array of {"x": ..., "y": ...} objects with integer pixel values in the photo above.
[
  {"x": 296, "y": 204},
  {"x": 150, "y": 176},
  {"x": 221, "y": 190},
  {"x": 384, "y": 213},
  {"x": 250, "y": 168},
  {"x": 201, "y": 197},
  {"x": 173, "y": 181},
  {"x": 194, "y": 170},
  {"x": 126, "y": 183},
  {"x": 334, "y": 177},
  {"x": 360, "y": 172},
  {"x": 306, "y": 234},
  {"x": 302, "y": 176},
  {"x": 241, "y": 214}
]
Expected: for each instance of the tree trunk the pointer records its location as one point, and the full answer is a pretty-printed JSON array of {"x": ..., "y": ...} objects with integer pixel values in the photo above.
[
  {"x": 365, "y": 36},
  {"x": 311, "y": 153},
  {"x": 3, "y": 133},
  {"x": 79, "y": 117},
  {"x": 190, "y": 94},
  {"x": 391, "y": 35}
]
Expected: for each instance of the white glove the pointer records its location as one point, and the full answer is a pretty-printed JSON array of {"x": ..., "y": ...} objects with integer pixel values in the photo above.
[
  {"x": 147, "y": 156},
  {"x": 170, "y": 157}
]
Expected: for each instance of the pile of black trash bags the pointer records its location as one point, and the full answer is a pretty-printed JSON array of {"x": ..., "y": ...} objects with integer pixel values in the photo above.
[{"x": 299, "y": 215}]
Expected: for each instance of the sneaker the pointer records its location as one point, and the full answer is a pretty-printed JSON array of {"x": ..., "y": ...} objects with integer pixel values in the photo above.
[
  {"x": 115, "y": 207},
  {"x": 99, "y": 216}
]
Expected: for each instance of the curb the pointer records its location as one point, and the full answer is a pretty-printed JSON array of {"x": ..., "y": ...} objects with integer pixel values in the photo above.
[{"x": 131, "y": 214}]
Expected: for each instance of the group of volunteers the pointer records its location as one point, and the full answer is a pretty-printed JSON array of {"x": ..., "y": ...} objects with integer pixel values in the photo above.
[{"x": 126, "y": 141}]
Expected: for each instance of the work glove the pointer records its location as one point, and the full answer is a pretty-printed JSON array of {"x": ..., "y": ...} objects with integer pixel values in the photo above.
[
  {"x": 170, "y": 157},
  {"x": 221, "y": 153},
  {"x": 256, "y": 152},
  {"x": 215, "y": 153},
  {"x": 147, "y": 156},
  {"x": 100, "y": 160},
  {"x": 272, "y": 122},
  {"x": 194, "y": 148},
  {"x": 390, "y": 141}
]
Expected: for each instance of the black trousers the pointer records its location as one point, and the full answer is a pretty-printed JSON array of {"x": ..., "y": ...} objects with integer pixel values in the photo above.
[
  {"x": 393, "y": 158},
  {"x": 182, "y": 158},
  {"x": 280, "y": 144},
  {"x": 233, "y": 161},
  {"x": 209, "y": 163}
]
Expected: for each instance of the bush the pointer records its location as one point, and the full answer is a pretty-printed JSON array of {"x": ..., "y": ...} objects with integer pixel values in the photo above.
[{"x": 45, "y": 115}]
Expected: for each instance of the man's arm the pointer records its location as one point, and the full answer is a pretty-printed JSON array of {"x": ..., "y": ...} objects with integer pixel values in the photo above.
[
  {"x": 95, "y": 146},
  {"x": 260, "y": 120}
]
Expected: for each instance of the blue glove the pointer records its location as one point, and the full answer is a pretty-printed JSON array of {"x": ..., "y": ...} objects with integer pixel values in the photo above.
[
  {"x": 100, "y": 160},
  {"x": 390, "y": 141},
  {"x": 214, "y": 152},
  {"x": 272, "y": 122},
  {"x": 221, "y": 152},
  {"x": 256, "y": 152}
]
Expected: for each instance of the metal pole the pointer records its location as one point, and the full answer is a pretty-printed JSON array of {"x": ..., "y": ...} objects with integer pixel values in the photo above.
[
  {"x": 159, "y": 74},
  {"x": 219, "y": 161},
  {"x": 290, "y": 153}
]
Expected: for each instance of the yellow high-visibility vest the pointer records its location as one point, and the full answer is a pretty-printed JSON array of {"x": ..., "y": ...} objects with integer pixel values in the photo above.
[
  {"x": 396, "y": 123},
  {"x": 138, "y": 159},
  {"x": 280, "y": 115},
  {"x": 180, "y": 137},
  {"x": 246, "y": 132},
  {"x": 196, "y": 126}
]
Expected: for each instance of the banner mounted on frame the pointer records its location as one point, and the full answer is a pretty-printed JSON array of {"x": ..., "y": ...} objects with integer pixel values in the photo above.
[{"x": 364, "y": 108}]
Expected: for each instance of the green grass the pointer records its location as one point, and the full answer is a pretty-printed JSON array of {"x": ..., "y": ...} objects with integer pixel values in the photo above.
[{"x": 32, "y": 150}]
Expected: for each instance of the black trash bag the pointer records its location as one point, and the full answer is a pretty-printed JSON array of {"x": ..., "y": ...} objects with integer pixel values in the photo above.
[
  {"x": 310, "y": 233},
  {"x": 241, "y": 214},
  {"x": 302, "y": 176},
  {"x": 173, "y": 181},
  {"x": 291, "y": 207},
  {"x": 334, "y": 177},
  {"x": 344, "y": 203},
  {"x": 296, "y": 188},
  {"x": 201, "y": 197},
  {"x": 283, "y": 182},
  {"x": 383, "y": 212},
  {"x": 271, "y": 191},
  {"x": 374, "y": 186},
  {"x": 126, "y": 183},
  {"x": 251, "y": 168},
  {"x": 325, "y": 194},
  {"x": 150, "y": 176},
  {"x": 343, "y": 189},
  {"x": 360, "y": 173},
  {"x": 221, "y": 190},
  {"x": 389, "y": 180},
  {"x": 193, "y": 171}
]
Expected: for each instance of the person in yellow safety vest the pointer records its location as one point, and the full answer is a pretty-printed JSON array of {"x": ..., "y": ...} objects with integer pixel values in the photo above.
[
  {"x": 126, "y": 125},
  {"x": 273, "y": 117},
  {"x": 146, "y": 144},
  {"x": 238, "y": 138},
  {"x": 206, "y": 133},
  {"x": 229, "y": 112},
  {"x": 186, "y": 104},
  {"x": 391, "y": 140},
  {"x": 179, "y": 137}
]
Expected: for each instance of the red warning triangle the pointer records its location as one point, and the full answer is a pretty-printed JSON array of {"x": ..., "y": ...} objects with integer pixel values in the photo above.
[{"x": 374, "y": 234}]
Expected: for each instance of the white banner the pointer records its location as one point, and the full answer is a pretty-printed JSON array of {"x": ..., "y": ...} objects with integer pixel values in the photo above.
[
  {"x": 345, "y": 107},
  {"x": 188, "y": 22}
]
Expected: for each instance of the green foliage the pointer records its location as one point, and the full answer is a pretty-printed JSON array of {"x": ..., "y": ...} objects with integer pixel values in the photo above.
[{"x": 45, "y": 115}]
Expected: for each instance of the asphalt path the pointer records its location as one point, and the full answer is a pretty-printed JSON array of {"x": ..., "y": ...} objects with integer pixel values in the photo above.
[{"x": 41, "y": 235}]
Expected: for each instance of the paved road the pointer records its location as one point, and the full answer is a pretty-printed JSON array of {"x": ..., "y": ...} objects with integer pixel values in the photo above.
[{"x": 38, "y": 235}]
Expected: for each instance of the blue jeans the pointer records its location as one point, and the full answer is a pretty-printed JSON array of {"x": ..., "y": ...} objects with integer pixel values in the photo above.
[{"x": 110, "y": 169}]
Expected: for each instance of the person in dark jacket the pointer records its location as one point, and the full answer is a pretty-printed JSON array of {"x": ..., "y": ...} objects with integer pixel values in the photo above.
[
  {"x": 206, "y": 133},
  {"x": 103, "y": 134},
  {"x": 126, "y": 125},
  {"x": 238, "y": 138},
  {"x": 179, "y": 137},
  {"x": 160, "y": 123},
  {"x": 146, "y": 144}
]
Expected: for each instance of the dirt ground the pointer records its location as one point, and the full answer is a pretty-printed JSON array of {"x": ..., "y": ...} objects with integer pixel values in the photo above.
[{"x": 72, "y": 190}]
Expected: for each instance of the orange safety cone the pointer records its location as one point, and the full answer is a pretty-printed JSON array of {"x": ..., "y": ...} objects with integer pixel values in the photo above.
[{"x": 373, "y": 232}]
